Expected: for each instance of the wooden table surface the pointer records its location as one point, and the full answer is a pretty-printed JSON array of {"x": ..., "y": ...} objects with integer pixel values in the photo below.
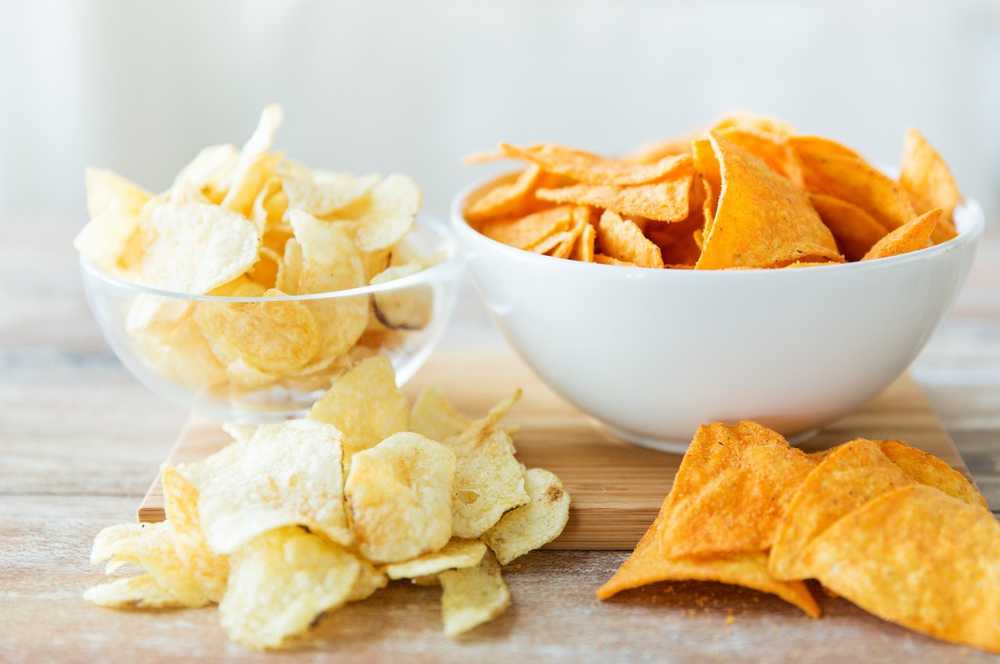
[{"x": 80, "y": 441}]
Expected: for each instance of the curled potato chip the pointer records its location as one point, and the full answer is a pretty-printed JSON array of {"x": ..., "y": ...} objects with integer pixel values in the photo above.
[
  {"x": 197, "y": 247},
  {"x": 399, "y": 497},
  {"x": 286, "y": 474},
  {"x": 405, "y": 308},
  {"x": 266, "y": 212},
  {"x": 472, "y": 596},
  {"x": 456, "y": 554},
  {"x": 370, "y": 579},
  {"x": 919, "y": 558},
  {"x": 108, "y": 191},
  {"x": 208, "y": 569},
  {"x": 912, "y": 236},
  {"x": 622, "y": 239},
  {"x": 365, "y": 405},
  {"x": 272, "y": 337},
  {"x": 529, "y": 231},
  {"x": 762, "y": 218},
  {"x": 660, "y": 201},
  {"x": 505, "y": 196},
  {"x": 209, "y": 174},
  {"x": 488, "y": 482},
  {"x": 847, "y": 478},
  {"x": 322, "y": 193},
  {"x": 281, "y": 582},
  {"x": 391, "y": 209},
  {"x": 434, "y": 417},
  {"x": 533, "y": 524},
  {"x": 855, "y": 231},
  {"x": 176, "y": 349},
  {"x": 114, "y": 205},
  {"x": 255, "y": 164},
  {"x": 136, "y": 592},
  {"x": 590, "y": 168}
]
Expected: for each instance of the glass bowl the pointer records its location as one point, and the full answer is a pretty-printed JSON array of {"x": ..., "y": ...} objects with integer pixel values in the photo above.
[{"x": 159, "y": 335}]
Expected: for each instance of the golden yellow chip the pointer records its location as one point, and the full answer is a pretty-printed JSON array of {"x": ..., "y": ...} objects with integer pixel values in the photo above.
[
  {"x": 855, "y": 231},
  {"x": 528, "y": 231},
  {"x": 622, "y": 239},
  {"x": 136, "y": 592},
  {"x": 177, "y": 350},
  {"x": 399, "y": 497},
  {"x": 388, "y": 214},
  {"x": 590, "y": 168},
  {"x": 433, "y": 416},
  {"x": 456, "y": 554},
  {"x": 762, "y": 218},
  {"x": 661, "y": 201},
  {"x": 847, "y": 478},
  {"x": 912, "y": 236},
  {"x": 365, "y": 405},
  {"x": 404, "y": 308},
  {"x": 286, "y": 474},
  {"x": 209, "y": 174},
  {"x": 477, "y": 430},
  {"x": 581, "y": 220},
  {"x": 180, "y": 499},
  {"x": 114, "y": 205},
  {"x": 255, "y": 164},
  {"x": 472, "y": 596},
  {"x": 929, "y": 183},
  {"x": 509, "y": 195},
  {"x": 919, "y": 558},
  {"x": 489, "y": 481},
  {"x": 263, "y": 211},
  {"x": 321, "y": 193},
  {"x": 281, "y": 582},
  {"x": 534, "y": 524}
]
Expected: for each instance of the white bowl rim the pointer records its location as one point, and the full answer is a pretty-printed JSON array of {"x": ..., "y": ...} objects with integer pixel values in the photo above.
[
  {"x": 970, "y": 232},
  {"x": 437, "y": 272}
]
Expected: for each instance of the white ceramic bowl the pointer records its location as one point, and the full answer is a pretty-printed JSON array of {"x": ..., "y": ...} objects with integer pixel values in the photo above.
[{"x": 655, "y": 353}]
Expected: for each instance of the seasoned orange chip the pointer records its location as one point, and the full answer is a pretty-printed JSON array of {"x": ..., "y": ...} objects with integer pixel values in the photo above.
[
  {"x": 932, "y": 471},
  {"x": 850, "y": 476},
  {"x": 912, "y": 236},
  {"x": 505, "y": 196},
  {"x": 662, "y": 201},
  {"x": 832, "y": 169},
  {"x": 590, "y": 168},
  {"x": 772, "y": 149},
  {"x": 551, "y": 242},
  {"x": 678, "y": 242},
  {"x": 623, "y": 240},
  {"x": 731, "y": 489},
  {"x": 530, "y": 230},
  {"x": 929, "y": 183},
  {"x": 707, "y": 165},
  {"x": 581, "y": 219},
  {"x": 656, "y": 151},
  {"x": 584, "y": 248},
  {"x": 756, "y": 123},
  {"x": 608, "y": 260},
  {"x": 918, "y": 558},
  {"x": 762, "y": 219},
  {"x": 855, "y": 230}
]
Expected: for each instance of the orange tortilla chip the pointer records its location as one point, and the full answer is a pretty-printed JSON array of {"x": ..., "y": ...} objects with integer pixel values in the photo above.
[
  {"x": 590, "y": 168},
  {"x": 731, "y": 489},
  {"x": 855, "y": 231},
  {"x": 581, "y": 219},
  {"x": 622, "y": 239},
  {"x": 608, "y": 260},
  {"x": 832, "y": 169},
  {"x": 772, "y": 149},
  {"x": 929, "y": 183},
  {"x": 756, "y": 123},
  {"x": 912, "y": 236},
  {"x": 526, "y": 232},
  {"x": 762, "y": 219},
  {"x": 850, "y": 476},
  {"x": 678, "y": 242},
  {"x": 551, "y": 243},
  {"x": 584, "y": 248},
  {"x": 662, "y": 201},
  {"x": 505, "y": 196},
  {"x": 656, "y": 151},
  {"x": 927, "y": 469},
  {"x": 707, "y": 165},
  {"x": 918, "y": 558}
]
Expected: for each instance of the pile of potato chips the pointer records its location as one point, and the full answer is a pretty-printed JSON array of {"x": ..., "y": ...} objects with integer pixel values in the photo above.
[
  {"x": 891, "y": 528},
  {"x": 297, "y": 519},
  {"x": 251, "y": 223},
  {"x": 750, "y": 192}
]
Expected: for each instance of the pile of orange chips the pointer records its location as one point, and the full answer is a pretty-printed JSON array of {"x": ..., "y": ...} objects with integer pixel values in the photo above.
[
  {"x": 893, "y": 529},
  {"x": 750, "y": 192}
]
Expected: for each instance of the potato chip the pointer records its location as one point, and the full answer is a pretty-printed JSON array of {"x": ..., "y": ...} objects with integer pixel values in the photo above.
[
  {"x": 590, "y": 168},
  {"x": 926, "y": 468},
  {"x": 850, "y": 476},
  {"x": 287, "y": 474},
  {"x": 402, "y": 309},
  {"x": 488, "y": 482},
  {"x": 365, "y": 405},
  {"x": 832, "y": 169},
  {"x": 281, "y": 582},
  {"x": 391, "y": 209},
  {"x": 731, "y": 490},
  {"x": 928, "y": 182},
  {"x": 196, "y": 248},
  {"x": 661, "y": 201},
  {"x": 209, "y": 174},
  {"x": 399, "y": 497},
  {"x": 178, "y": 351},
  {"x": 434, "y": 417},
  {"x": 114, "y": 205},
  {"x": 370, "y": 579},
  {"x": 583, "y": 250},
  {"x": 528, "y": 231},
  {"x": 136, "y": 592},
  {"x": 647, "y": 565},
  {"x": 478, "y": 429},
  {"x": 919, "y": 558},
  {"x": 322, "y": 193},
  {"x": 505, "y": 196},
  {"x": 762, "y": 218},
  {"x": 239, "y": 431},
  {"x": 534, "y": 524},
  {"x": 255, "y": 164},
  {"x": 855, "y": 231},
  {"x": 273, "y": 337},
  {"x": 912, "y": 236},
  {"x": 263, "y": 206},
  {"x": 622, "y": 239},
  {"x": 180, "y": 499},
  {"x": 472, "y": 596},
  {"x": 772, "y": 149},
  {"x": 456, "y": 554}
]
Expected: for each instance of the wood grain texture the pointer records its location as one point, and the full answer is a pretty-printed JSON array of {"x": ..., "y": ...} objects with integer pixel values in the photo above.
[{"x": 80, "y": 442}]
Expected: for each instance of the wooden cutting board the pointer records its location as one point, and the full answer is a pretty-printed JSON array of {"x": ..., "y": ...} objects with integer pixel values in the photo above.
[{"x": 616, "y": 487}]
